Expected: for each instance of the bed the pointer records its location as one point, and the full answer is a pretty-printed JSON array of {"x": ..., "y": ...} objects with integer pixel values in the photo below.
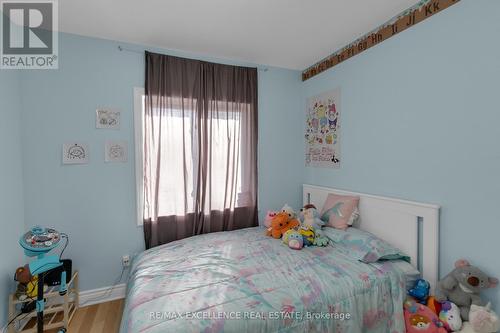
[{"x": 243, "y": 281}]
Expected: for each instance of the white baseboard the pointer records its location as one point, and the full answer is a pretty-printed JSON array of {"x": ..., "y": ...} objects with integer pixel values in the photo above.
[{"x": 102, "y": 295}]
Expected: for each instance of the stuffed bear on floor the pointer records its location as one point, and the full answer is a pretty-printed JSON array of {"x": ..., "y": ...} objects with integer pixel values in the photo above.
[{"x": 462, "y": 287}]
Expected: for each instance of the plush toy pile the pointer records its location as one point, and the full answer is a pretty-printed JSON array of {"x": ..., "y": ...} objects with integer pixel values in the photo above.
[
  {"x": 462, "y": 286},
  {"x": 296, "y": 231},
  {"x": 457, "y": 300}
]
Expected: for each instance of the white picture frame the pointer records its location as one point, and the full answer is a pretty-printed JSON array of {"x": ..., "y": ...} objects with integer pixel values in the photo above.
[
  {"x": 107, "y": 118},
  {"x": 75, "y": 153},
  {"x": 115, "y": 151}
]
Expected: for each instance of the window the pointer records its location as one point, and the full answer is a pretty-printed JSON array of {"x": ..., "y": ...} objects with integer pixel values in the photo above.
[
  {"x": 139, "y": 144},
  {"x": 181, "y": 170}
]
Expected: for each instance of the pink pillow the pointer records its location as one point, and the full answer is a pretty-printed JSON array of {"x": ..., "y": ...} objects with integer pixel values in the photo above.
[
  {"x": 338, "y": 209},
  {"x": 421, "y": 319}
]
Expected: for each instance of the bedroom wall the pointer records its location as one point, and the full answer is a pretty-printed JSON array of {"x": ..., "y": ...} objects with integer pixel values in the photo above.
[
  {"x": 95, "y": 203},
  {"x": 420, "y": 121},
  {"x": 11, "y": 197}
]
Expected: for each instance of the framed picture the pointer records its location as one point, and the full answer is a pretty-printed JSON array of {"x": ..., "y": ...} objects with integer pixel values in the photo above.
[
  {"x": 115, "y": 151},
  {"x": 108, "y": 118},
  {"x": 75, "y": 153}
]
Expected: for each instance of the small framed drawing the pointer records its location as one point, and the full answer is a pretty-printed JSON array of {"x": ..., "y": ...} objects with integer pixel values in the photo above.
[
  {"x": 107, "y": 118},
  {"x": 115, "y": 151},
  {"x": 75, "y": 153}
]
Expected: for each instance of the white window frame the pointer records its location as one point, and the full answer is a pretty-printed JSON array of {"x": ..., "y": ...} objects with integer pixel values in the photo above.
[{"x": 138, "y": 135}]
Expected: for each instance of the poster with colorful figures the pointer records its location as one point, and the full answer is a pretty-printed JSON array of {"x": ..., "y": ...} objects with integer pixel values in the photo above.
[{"x": 323, "y": 130}]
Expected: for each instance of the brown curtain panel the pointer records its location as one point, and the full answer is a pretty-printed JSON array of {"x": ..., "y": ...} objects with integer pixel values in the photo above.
[{"x": 200, "y": 148}]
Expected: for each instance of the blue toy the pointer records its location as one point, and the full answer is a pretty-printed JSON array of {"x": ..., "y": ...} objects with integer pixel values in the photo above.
[
  {"x": 420, "y": 291},
  {"x": 37, "y": 243},
  {"x": 310, "y": 217},
  {"x": 293, "y": 239}
]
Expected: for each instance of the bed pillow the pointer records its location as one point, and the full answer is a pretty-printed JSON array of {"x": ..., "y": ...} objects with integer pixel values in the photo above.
[
  {"x": 410, "y": 273},
  {"x": 340, "y": 211},
  {"x": 364, "y": 246}
]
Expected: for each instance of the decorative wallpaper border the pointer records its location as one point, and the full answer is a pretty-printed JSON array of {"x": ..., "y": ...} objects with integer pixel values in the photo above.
[{"x": 416, "y": 14}]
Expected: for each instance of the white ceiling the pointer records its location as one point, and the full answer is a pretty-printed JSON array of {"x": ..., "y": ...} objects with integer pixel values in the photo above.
[{"x": 284, "y": 33}]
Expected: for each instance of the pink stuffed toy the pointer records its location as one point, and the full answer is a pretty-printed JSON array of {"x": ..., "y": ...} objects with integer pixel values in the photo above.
[
  {"x": 420, "y": 319},
  {"x": 269, "y": 217}
]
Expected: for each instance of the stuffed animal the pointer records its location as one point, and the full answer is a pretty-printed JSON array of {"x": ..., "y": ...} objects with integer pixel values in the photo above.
[
  {"x": 434, "y": 305},
  {"x": 23, "y": 274},
  {"x": 280, "y": 224},
  {"x": 320, "y": 239},
  {"x": 311, "y": 218},
  {"x": 420, "y": 291},
  {"x": 307, "y": 235},
  {"x": 450, "y": 317},
  {"x": 293, "y": 239},
  {"x": 28, "y": 284},
  {"x": 301, "y": 212},
  {"x": 29, "y": 290},
  {"x": 421, "y": 319},
  {"x": 483, "y": 320},
  {"x": 269, "y": 216},
  {"x": 289, "y": 210},
  {"x": 462, "y": 287}
]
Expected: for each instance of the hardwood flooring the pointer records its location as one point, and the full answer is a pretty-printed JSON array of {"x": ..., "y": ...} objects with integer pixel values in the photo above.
[{"x": 99, "y": 318}]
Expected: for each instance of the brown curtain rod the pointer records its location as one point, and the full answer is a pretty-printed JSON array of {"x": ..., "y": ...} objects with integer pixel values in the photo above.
[{"x": 122, "y": 49}]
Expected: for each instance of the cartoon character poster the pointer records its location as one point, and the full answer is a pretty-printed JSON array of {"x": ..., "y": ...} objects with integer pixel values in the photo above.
[{"x": 323, "y": 130}]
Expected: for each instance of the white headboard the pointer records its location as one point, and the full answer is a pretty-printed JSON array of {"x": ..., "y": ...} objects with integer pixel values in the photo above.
[{"x": 397, "y": 222}]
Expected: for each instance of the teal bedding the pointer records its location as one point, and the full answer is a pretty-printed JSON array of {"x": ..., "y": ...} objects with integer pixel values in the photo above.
[{"x": 243, "y": 281}]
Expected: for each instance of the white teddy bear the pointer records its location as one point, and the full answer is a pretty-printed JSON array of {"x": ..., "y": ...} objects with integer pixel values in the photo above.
[{"x": 483, "y": 320}]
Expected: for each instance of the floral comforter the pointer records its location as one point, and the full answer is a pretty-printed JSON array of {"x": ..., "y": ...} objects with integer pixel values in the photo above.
[{"x": 243, "y": 281}]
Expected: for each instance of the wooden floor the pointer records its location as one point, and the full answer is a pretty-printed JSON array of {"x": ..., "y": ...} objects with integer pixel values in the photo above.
[{"x": 99, "y": 318}]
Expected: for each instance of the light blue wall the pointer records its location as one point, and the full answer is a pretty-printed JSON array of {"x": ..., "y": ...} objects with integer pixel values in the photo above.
[
  {"x": 11, "y": 185},
  {"x": 95, "y": 203},
  {"x": 421, "y": 121},
  {"x": 281, "y": 163}
]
